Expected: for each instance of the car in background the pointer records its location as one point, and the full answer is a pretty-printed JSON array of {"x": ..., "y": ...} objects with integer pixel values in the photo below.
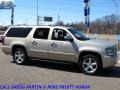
[
  {"x": 1, "y": 38},
  {"x": 1, "y": 35}
]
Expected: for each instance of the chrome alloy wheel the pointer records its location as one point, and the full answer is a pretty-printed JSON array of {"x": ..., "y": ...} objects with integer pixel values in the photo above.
[
  {"x": 19, "y": 57},
  {"x": 90, "y": 65}
]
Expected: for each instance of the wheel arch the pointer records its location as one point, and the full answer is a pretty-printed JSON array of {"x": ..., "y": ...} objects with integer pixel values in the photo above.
[
  {"x": 18, "y": 46},
  {"x": 83, "y": 53}
]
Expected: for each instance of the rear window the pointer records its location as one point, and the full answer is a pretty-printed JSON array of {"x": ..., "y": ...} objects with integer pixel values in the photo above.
[{"x": 18, "y": 32}]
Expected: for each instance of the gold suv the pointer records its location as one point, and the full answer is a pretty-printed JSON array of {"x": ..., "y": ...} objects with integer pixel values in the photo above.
[{"x": 58, "y": 44}]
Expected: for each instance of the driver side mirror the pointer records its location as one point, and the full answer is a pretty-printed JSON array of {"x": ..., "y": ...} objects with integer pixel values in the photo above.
[
  {"x": 77, "y": 36},
  {"x": 68, "y": 38}
]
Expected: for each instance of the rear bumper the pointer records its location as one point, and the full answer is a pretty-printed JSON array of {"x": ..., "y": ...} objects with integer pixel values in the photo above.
[
  {"x": 6, "y": 50},
  {"x": 109, "y": 61}
]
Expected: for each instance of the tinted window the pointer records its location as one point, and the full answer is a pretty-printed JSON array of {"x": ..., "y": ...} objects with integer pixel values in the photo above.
[
  {"x": 78, "y": 34},
  {"x": 18, "y": 32},
  {"x": 41, "y": 33}
]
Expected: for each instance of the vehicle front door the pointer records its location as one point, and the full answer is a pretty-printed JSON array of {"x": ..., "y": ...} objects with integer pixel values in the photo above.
[{"x": 60, "y": 48}]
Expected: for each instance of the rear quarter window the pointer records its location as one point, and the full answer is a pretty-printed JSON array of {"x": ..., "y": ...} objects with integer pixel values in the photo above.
[{"x": 18, "y": 32}]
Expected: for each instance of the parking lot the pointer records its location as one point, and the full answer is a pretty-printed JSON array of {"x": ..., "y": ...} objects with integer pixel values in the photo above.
[{"x": 41, "y": 72}]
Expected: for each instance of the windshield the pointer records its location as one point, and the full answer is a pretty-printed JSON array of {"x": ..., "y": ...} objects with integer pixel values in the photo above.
[{"x": 78, "y": 34}]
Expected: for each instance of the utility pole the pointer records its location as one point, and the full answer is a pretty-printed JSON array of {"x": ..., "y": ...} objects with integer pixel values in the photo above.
[
  {"x": 58, "y": 19},
  {"x": 117, "y": 13},
  {"x": 87, "y": 15},
  {"x": 37, "y": 14}
]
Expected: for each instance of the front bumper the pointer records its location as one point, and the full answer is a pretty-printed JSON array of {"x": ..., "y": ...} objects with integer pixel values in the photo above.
[{"x": 109, "y": 61}]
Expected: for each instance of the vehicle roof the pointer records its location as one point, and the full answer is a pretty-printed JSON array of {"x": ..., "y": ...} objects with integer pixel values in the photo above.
[{"x": 64, "y": 27}]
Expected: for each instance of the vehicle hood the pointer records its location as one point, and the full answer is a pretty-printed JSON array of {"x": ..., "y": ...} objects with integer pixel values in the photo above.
[{"x": 103, "y": 43}]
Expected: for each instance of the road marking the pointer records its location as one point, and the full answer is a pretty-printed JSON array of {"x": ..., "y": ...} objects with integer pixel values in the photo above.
[
  {"x": 119, "y": 57},
  {"x": 119, "y": 60}
]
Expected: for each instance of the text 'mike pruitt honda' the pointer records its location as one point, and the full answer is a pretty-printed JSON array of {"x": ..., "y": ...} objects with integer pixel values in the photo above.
[{"x": 58, "y": 44}]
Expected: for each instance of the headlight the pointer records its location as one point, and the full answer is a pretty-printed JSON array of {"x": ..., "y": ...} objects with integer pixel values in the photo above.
[{"x": 110, "y": 52}]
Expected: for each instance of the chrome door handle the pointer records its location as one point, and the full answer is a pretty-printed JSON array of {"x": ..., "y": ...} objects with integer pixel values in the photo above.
[
  {"x": 54, "y": 45},
  {"x": 34, "y": 43}
]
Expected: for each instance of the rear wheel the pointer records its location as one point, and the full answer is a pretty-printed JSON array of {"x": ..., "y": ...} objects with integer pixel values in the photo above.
[
  {"x": 90, "y": 64},
  {"x": 19, "y": 56}
]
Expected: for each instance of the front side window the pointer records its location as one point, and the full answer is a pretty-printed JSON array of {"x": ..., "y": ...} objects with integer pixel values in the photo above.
[
  {"x": 59, "y": 34},
  {"x": 18, "y": 32},
  {"x": 41, "y": 33}
]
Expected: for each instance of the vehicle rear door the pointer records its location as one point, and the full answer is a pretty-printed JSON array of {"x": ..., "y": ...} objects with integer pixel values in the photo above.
[{"x": 39, "y": 43}]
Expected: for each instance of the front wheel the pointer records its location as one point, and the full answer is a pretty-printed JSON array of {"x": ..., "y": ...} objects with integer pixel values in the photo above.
[
  {"x": 90, "y": 64},
  {"x": 19, "y": 56}
]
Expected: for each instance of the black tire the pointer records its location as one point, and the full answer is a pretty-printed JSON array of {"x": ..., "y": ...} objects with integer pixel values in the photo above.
[
  {"x": 90, "y": 68},
  {"x": 22, "y": 56}
]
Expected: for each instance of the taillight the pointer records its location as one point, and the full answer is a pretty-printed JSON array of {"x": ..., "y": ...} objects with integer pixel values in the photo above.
[{"x": 3, "y": 40}]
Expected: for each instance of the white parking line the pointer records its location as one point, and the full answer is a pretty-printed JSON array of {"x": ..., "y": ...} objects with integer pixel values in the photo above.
[
  {"x": 119, "y": 61},
  {"x": 119, "y": 57}
]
